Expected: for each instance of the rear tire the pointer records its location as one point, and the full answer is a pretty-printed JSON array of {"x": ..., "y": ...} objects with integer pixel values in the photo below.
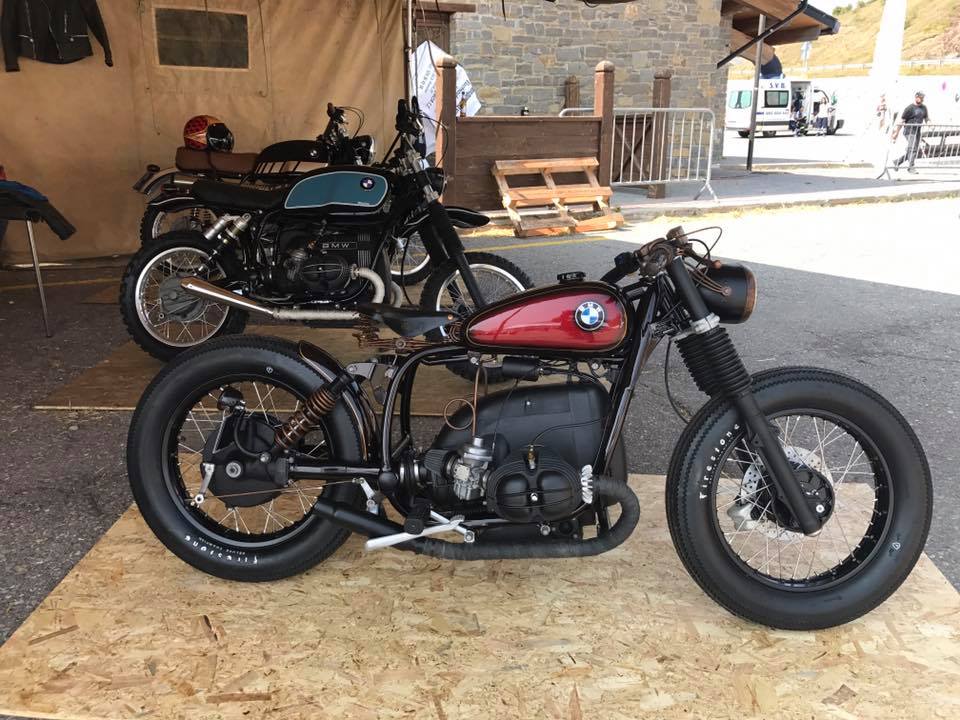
[
  {"x": 234, "y": 320},
  {"x": 152, "y": 470},
  {"x": 743, "y": 133},
  {"x": 435, "y": 298},
  {"x": 850, "y": 588},
  {"x": 155, "y": 223}
]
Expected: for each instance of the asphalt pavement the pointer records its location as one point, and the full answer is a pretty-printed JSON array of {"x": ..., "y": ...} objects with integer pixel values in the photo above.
[{"x": 64, "y": 481}]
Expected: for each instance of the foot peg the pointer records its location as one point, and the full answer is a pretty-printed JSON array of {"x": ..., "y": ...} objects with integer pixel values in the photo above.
[
  {"x": 416, "y": 520},
  {"x": 444, "y": 525}
]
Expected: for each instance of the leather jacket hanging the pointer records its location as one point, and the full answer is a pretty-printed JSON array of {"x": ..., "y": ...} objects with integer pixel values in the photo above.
[{"x": 53, "y": 31}]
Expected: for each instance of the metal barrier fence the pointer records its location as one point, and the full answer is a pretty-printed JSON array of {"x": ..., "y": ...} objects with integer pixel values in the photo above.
[
  {"x": 660, "y": 146},
  {"x": 928, "y": 147}
]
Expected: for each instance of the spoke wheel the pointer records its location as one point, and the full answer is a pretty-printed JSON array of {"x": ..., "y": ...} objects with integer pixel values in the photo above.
[
  {"x": 752, "y": 526},
  {"x": 870, "y": 483},
  {"x": 241, "y": 516},
  {"x": 161, "y": 317},
  {"x": 445, "y": 291},
  {"x": 251, "y": 523},
  {"x": 155, "y": 222},
  {"x": 411, "y": 261},
  {"x": 167, "y": 312}
]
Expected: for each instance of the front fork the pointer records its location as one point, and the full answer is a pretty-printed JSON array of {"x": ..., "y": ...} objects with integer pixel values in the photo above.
[{"x": 717, "y": 369}]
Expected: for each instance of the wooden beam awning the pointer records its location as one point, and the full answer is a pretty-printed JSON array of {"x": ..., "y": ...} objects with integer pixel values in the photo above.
[{"x": 808, "y": 25}]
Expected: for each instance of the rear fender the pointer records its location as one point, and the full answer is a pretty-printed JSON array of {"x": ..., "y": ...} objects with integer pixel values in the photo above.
[{"x": 173, "y": 200}]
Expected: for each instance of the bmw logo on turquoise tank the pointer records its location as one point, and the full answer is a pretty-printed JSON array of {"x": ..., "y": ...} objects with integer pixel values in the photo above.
[{"x": 346, "y": 191}]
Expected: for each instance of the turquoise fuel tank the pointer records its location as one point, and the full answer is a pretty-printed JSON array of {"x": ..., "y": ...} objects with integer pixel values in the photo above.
[{"x": 357, "y": 190}]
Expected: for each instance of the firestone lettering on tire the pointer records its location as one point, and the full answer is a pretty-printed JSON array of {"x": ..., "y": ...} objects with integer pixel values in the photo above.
[{"x": 214, "y": 550}]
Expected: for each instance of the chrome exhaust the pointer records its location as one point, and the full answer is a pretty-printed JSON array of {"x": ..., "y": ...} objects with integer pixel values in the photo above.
[{"x": 201, "y": 288}]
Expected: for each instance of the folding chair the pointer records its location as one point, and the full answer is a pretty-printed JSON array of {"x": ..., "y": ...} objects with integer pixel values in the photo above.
[{"x": 12, "y": 211}]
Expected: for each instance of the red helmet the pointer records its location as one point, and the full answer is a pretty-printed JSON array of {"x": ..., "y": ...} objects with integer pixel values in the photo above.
[{"x": 206, "y": 132}]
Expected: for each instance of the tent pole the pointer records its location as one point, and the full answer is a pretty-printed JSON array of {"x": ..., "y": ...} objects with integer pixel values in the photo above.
[
  {"x": 408, "y": 51},
  {"x": 756, "y": 94}
]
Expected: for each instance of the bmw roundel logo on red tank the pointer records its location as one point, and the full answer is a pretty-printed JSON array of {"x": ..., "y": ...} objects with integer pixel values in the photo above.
[
  {"x": 367, "y": 183},
  {"x": 589, "y": 316}
]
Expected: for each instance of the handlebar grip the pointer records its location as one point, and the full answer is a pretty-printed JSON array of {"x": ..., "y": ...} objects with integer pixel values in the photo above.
[{"x": 625, "y": 263}]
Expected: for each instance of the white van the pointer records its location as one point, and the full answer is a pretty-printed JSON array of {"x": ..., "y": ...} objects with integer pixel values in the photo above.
[{"x": 780, "y": 103}]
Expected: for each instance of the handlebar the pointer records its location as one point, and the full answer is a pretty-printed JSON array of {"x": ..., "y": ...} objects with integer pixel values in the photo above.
[{"x": 652, "y": 258}]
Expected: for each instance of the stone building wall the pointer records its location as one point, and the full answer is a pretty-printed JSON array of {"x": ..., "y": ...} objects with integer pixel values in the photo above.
[{"x": 524, "y": 59}]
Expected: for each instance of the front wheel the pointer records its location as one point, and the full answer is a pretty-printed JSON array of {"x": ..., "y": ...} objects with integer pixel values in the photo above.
[
  {"x": 161, "y": 317},
  {"x": 410, "y": 263},
  {"x": 739, "y": 543},
  {"x": 445, "y": 291}
]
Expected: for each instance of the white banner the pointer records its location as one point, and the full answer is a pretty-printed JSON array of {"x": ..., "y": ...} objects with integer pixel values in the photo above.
[{"x": 424, "y": 82}]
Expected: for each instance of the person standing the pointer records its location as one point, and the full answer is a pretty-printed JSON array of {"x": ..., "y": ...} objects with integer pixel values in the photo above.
[{"x": 911, "y": 120}]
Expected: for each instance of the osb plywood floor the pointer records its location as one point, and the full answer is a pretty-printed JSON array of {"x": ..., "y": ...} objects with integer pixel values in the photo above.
[
  {"x": 133, "y": 632},
  {"x": 117, "y": 382}
]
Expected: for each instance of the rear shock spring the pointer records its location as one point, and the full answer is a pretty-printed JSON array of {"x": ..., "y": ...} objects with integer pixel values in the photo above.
[
  {"x": 320, "y": 404},
  {"x": 714, "y": 363}
]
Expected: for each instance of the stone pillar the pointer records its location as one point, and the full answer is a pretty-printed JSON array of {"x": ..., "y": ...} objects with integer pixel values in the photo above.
[
  {"x": 446, "y": 150},
  {"x": 603, "y": 108},
  {"x": 662, "y": 80}
]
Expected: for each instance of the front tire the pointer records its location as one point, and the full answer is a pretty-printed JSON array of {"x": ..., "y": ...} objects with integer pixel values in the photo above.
[
  {"x": 742, "y": 554},
  {"x": 164, "y": 331},
  {"x": 445, "y": 291},
  {"x": 176, "y": 418}
]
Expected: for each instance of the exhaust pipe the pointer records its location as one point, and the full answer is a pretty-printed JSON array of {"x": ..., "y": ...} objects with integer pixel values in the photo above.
[{"x": 201, "y": 288}]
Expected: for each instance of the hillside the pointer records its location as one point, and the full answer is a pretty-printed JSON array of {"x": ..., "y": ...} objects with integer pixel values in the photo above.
[{"x": 932, "y": 31}]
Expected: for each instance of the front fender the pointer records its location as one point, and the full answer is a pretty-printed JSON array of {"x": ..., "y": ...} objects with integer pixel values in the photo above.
[{"x": 461, "y": 217}]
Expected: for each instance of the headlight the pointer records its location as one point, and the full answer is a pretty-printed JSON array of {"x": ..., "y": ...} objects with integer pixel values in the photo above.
[{"x": 730, "y": 291}]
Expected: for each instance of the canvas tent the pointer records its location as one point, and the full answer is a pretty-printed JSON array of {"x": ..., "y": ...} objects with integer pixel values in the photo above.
[{"x": 82, "y": 133}]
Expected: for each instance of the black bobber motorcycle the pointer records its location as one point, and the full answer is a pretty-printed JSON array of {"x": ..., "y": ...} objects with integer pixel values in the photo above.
[
  {"x": 796, "y": 497},
  {"x": 310, "y": 251}
]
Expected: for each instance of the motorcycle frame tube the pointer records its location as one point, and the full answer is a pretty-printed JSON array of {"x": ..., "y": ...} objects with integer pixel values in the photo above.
[{"x": 641, "y": 344}]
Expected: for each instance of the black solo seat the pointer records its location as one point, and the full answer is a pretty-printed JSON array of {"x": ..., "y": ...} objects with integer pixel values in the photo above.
[{"x": 407, "y": 322}]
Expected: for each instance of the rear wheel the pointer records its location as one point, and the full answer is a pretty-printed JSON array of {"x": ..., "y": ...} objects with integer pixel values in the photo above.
[
  {"x": 156, "y": 222},
  {"x": 246, "y": 527},
  {"x": 162, "y": 318},
  {"x": 743, "y": 133},
  {"x": 739, "y": 543},
  {"x": 445, "y": 291}
]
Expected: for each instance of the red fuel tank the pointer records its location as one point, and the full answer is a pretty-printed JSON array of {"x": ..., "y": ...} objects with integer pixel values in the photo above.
[{"x": 582, "y": 318}]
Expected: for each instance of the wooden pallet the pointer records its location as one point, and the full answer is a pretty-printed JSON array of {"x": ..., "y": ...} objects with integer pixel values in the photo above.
[{"x": 555, "y": 197}]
